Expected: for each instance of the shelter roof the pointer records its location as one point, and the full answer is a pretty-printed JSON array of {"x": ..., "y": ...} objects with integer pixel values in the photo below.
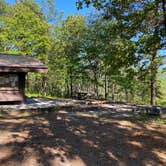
[{"x": 20, "y": 63}]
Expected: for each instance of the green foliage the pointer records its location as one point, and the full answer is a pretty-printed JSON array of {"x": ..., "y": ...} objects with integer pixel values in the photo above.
[
  {"x": 161, "y": 100},
  {"x": 112, "y": 57},
  {"x": 25, "y": 30}
]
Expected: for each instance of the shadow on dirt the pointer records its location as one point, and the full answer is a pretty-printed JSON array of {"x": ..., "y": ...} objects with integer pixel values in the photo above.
[{"x": 56, "y": 138}]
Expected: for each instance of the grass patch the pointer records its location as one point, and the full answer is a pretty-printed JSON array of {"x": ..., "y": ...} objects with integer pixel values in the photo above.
[
  {"x": 30, "y": 95},
  {"x": 145, "y": 117}
]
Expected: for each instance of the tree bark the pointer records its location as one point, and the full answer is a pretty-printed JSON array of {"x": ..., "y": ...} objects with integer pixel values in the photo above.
[
  {"x": 71, "y": 83},
  {"x": 67, "y": 88},
  {"x": 44, "y": 85},
  {"x": 89, "y": 88},
  {"x": 127, "y": 95},
  {"x": 113, "y": 92},
  {"x": 105, "y": 87},
  {"x": 153, "y": 91},
  {"x": 153, "y": 80},
  {"x": 96, "y": 91}
]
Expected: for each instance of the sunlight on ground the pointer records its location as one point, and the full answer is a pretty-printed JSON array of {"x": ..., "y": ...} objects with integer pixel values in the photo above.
[{"x": 79, "y": 136}]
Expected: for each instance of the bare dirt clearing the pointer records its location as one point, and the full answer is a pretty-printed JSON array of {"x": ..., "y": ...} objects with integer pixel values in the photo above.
[{"x": 80, "y": 134}]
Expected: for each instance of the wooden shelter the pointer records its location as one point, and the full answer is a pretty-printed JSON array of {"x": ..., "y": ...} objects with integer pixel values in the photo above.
[{"x": 13, "y": 69}]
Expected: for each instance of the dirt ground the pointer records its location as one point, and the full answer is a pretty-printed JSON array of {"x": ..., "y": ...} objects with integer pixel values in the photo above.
[{"x": 84, "y": 134}]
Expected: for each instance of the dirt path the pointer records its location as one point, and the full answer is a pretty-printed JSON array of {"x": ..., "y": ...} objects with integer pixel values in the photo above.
[{"x": 81, "y": 134}]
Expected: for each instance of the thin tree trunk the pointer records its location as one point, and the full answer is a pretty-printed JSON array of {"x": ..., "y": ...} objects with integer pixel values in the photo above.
[
  {"x": 153, "y": 91},
  {"x": 67, "y": 87},
  {"x": 113, "y": 92},
  {"x": 96, "y": 90},
  {"x": 89, "y": 88},
  {"x": 68, "y": 83},
  {"x": 153, "y": 59},
  {"x": 105, "y": 87},
  {"x": 96, "y": 85},
  {"x": 71, "y": 83},
  {"x": 44, "y": 85},
  {"x": 153, "y": 80},
  {"x": 127, "y": 95}
]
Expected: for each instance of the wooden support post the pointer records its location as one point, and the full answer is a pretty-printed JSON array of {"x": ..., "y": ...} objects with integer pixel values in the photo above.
[{"x": 22, "y": 85}]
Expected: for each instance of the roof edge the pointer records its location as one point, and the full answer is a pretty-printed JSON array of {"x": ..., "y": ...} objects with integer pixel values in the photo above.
[{"x": 24, "y": 69}]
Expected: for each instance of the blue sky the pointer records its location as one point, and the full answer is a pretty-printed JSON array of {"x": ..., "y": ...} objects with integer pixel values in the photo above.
[
  {"x": 66, "y": 6},
  {"x": 69, "y": 7}
]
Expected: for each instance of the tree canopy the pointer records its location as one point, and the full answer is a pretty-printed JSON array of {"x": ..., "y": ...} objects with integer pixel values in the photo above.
[{"x": 112, "y": 55}]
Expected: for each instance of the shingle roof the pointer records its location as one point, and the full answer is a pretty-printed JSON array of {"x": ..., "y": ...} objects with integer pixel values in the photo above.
[{"x": 20, "y": 63}]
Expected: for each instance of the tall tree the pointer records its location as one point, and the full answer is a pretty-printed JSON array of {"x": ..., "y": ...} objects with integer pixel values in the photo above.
[
  {"x": 26, "y": 30},
  {"x": 139, "y": 20},
  {"x": 72, "y": 32}
]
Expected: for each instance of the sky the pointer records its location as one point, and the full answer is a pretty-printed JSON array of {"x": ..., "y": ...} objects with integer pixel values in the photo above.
[
  {"x": 69, "y": 7},
  {"x": 66, "y": 6}
]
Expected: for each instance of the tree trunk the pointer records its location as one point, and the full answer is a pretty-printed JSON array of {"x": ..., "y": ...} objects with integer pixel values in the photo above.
[
  {"x": 105, "y": 87},
  {"x": 113, "y": 92},
  {"x": 44, "y": 85},
  {"x": 153, "y": 80},
  {"x": 96, "y": 90},
  {"x": 71, "y": 83},
  {"x": 89, "y": 88},
  {"x": 27, "y": 83},
  {"x": 127, "y": 95},
  {"x": 67, "y": 88},
  {"x": 153, "y": 91},
  {"x": 96, "y": 85}
]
